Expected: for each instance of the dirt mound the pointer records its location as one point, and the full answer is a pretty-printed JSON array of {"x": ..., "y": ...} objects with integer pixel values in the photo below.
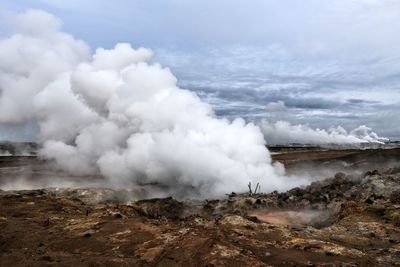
[
  {"x": 342, "y": 221},
  {"x": 160, "y": 208},
  {"x": 349, "y": 219}
]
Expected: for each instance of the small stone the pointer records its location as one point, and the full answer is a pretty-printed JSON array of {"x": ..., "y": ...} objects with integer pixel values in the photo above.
[
  {"x": 369, "y": 201},
  {"x": 46, "y": 222},
  {"x": 372, "y": 234},
  {"x": 88, "y": 233},
  {"x": 118, "y": 215},
  {"x": 252, "y": 218},
  {"x": 46, "y": 258},
  {"x": 395, "y": 197}
]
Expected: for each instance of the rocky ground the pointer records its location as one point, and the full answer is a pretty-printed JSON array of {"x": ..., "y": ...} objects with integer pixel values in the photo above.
[{"x": 350, "y": 219}]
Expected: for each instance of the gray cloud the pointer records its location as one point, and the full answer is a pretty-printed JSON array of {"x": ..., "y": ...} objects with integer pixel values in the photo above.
[{"x": 330, "y": 62}]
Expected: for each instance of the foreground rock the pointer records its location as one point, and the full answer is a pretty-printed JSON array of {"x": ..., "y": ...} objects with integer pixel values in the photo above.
[{"x": 342, "y": 221}]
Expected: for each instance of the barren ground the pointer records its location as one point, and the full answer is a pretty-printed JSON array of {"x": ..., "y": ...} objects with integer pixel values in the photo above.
[{"x": 350, "y": 219}]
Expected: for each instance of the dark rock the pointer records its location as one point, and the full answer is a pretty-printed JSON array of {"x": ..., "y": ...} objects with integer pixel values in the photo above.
[
  {"x": 88, "y": 233},
  {"x": 395, "y": 197},
  {"x": 252, "y": 218},
  {"x": 369, "y": 200},
  {"x": 233, "y": 194},
  {"x": 162, "y": 207},
  {"x": 46, "y": 258},
  {"x": 248, "y": 201},
  {"x": 118, "y": 215},
  {"x": 340, "y": 175},
  {"x": 371, "y": 173}
]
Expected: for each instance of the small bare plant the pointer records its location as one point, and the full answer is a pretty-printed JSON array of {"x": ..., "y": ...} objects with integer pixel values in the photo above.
[{"x": 257, "y": 188}]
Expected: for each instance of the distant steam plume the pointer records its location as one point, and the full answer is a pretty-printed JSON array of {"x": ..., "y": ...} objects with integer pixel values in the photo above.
[
  {"x": 282, "y": 132},
  {"x": 118, "y": 114}
]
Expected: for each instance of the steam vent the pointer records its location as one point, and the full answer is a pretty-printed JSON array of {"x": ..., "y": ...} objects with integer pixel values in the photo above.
[{"x": 200, "y": 133}]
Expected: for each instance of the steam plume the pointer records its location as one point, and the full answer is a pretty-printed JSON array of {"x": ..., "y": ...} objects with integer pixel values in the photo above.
[
  {"x": 282, "y": 132},
  {"x": 118, "y": 114}
]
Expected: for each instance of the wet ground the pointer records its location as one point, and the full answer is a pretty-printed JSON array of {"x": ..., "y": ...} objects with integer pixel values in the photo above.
[{"x": 350, "y": 219}]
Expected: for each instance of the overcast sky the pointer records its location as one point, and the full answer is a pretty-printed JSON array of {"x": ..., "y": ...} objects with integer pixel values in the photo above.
[{"x": 323, "y": 63}]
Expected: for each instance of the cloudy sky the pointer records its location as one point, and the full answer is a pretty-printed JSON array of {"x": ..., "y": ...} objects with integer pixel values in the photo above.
[{"x": 322, "y": 63}]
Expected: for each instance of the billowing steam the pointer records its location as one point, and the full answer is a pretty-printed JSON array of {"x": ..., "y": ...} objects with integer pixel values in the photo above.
[
  {"x": 118, "y": 114},
  {"x": 282, "y": 132}
]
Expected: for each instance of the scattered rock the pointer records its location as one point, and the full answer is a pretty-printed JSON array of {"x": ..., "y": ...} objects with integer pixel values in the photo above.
[
  {"x": 88, "y": 233},
  {"x": 160, "y": 207},
  {"x": 341, "y": 221},
  {"x": 395, "y": 197}
]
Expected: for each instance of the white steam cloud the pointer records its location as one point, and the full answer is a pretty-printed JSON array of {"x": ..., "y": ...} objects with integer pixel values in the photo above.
[
  {"x": 282, "y": 132},
  {"x": 117, "y": 114}
]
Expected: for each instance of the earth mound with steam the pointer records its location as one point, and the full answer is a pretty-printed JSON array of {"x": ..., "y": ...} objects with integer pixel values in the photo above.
[{"x": 344, "y": 220}]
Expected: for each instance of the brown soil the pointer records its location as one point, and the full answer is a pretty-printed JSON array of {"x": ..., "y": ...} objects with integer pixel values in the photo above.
[{"x": 346, "y": 220}]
